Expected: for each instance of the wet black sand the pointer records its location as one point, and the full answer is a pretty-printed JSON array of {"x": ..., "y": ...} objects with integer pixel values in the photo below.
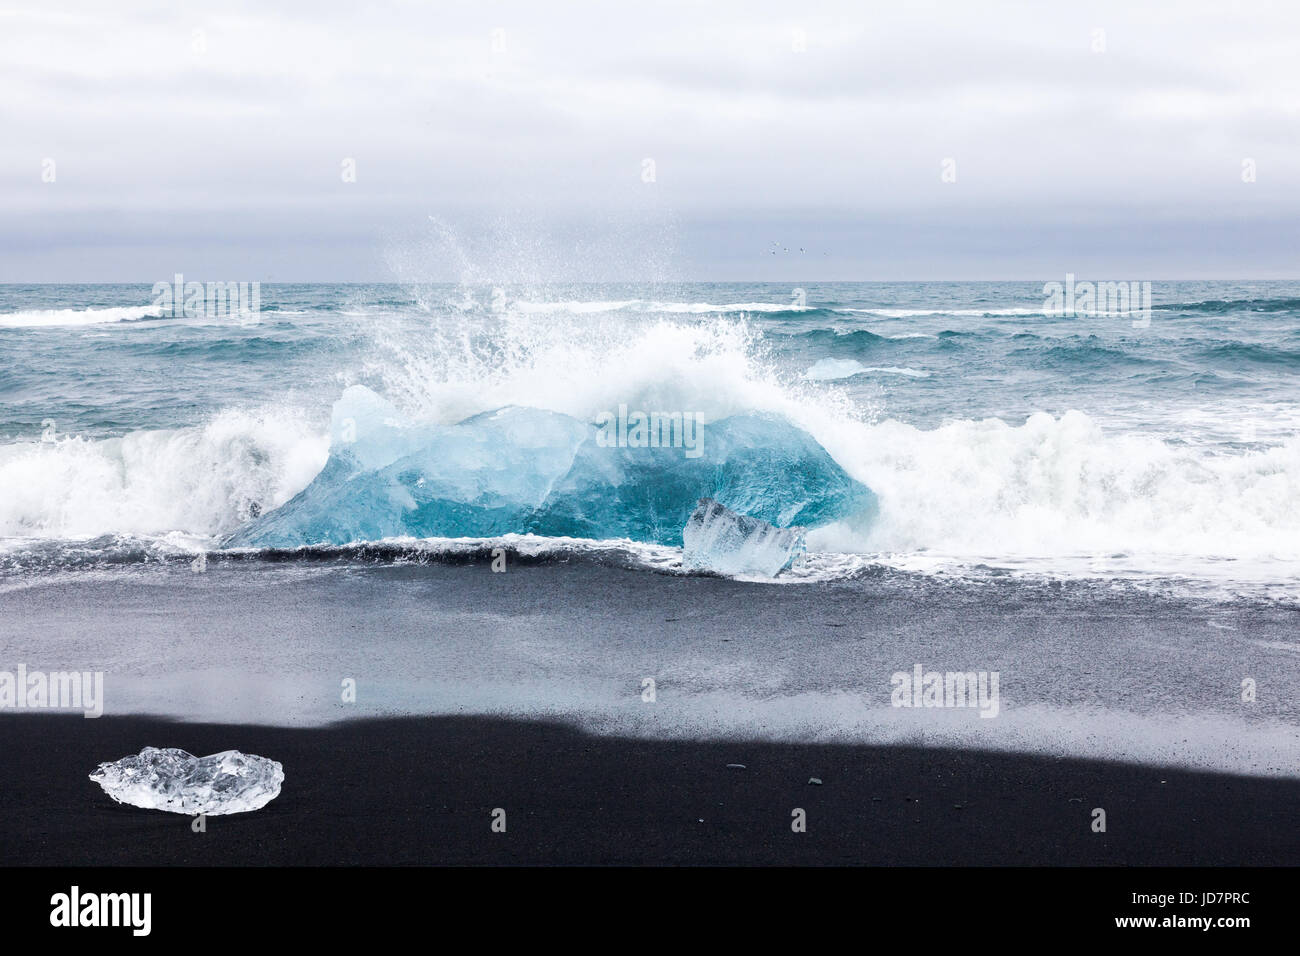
[{"x": 423, "y": 791}]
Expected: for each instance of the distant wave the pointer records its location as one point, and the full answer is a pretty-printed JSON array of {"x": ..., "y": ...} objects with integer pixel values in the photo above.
[
  {"x": 770, "y": 309},
  {"x": 831, "y": 369},
  {"x": 1209, "y": 306},
  {"x": 1078, "y": 352},
  {"x": 38, "y": 318},
  {"x": 41, "y": 318},
  {"x": 890, "y": 313},
  {"x": 667, "y": 308},
  {"x": 1222, "y": 306},
  {"x": 1239, "y": 353}
]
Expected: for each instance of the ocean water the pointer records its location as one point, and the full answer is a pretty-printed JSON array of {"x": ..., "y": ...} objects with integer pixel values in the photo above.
[{"x": 997, "y": 440}]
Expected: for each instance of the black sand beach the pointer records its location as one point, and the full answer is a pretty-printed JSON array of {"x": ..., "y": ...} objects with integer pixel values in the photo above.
[
  {"x": 422, "y": 791},
  {"x": 523, "y": 691},
  {"x": 1086, "y": 670}
]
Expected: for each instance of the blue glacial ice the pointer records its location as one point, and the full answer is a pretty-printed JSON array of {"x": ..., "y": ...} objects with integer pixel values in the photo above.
[{"x": 526, "y": 470}]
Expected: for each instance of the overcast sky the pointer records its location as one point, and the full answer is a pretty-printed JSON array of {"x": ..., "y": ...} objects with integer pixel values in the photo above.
[{"x": 502, "y": 140}]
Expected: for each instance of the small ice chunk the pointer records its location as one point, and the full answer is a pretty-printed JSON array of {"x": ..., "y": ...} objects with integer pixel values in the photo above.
[
  {"x": 719, "y": 539},
  {"x": 179, "y": 782},
  {"x": 831, "y": 369}
]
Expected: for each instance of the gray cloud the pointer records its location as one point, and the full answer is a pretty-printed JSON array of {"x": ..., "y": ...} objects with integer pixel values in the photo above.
[{"x": 218, "y": 137}]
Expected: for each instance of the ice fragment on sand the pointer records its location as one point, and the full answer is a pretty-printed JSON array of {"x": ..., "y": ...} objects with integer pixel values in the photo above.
[
  {"x": 718, "y": 539},
  {"x": 179, "y": 782}
]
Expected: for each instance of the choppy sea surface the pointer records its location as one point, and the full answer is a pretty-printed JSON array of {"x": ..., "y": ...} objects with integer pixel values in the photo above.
[{"x": 999, "y": 439}]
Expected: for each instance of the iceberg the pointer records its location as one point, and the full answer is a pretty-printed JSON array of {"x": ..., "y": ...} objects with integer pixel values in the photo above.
[
  {"x": 532, "y": 471},
  {"x": 755, "y": 464},
  {"x": 179, "y": 782},
  {"x": 718, "y": 539}
]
